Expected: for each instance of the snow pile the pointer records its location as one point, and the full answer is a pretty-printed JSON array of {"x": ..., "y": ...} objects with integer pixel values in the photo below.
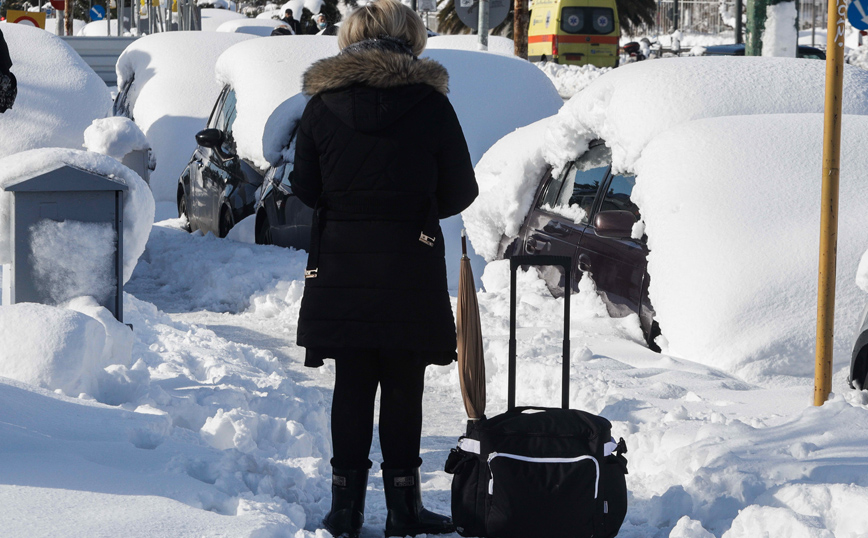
[
  {"x": 780, "y": 37},
  {"x": 51, "y": 347},
  {"x": 171, "y": 95},
  {"x": 73, "y": 259},
  {"x": 101, "y": 28},
  {"x": 212, "y": 18},
  {"x": 859, "y": 57},
  {"x": 690, "y": 184},
  {"x": 116, "y": 137},
  {"x": 138, "y": 201},
  {"x": 264, "y": 73},
  {"x": 571, "y": 79},
  {"x": 259, "y": 27},
  {"x": 58, "y": 94},
  {"x": 51, "y": 25},
  {"x": 496, "y": 44}
]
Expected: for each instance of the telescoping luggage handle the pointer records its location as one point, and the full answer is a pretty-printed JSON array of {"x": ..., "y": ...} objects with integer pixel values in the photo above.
[{"x": 514, "y": 263}]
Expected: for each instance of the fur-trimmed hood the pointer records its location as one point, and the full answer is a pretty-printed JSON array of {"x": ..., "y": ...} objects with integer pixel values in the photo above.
[
  {"x": 371, "y": 89},
  {"x": 376, "y": 68}
]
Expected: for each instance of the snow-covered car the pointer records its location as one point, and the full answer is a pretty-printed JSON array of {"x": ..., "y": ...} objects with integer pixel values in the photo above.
[
  {"x": 726, "y": 175},
  {"x": 166, "y": 85},
  {"x": 858, "y": 377},
  {"x": 59, "y": 95},
  {"x": 257, "y": 27}
]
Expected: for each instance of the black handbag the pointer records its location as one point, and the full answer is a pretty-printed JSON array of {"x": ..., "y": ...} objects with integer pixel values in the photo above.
[
  {"x": 8, "y": 90},
  {"x": 536, "y": 471}
]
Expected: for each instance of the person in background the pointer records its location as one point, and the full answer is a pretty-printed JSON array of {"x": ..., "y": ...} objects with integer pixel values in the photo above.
[
  {"x": 293, "y": 24},
  {"x": 8, "y": 84},
  {"x": 381, "y": 157},
  {"x": 324, "y": 27}
]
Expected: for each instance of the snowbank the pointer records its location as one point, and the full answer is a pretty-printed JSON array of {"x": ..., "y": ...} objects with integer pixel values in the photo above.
[
  {"x": 720, "y": 198},
  {"x": 138, "y": 201},
  {"x": 172, "y": 95},
  {"x": 116, "y": 137},
  {"x": 212, "y": 18},
  {"x": 496, "y": 44},
  {"x": 780, "y": 37},
  {"x": 58, "y": 94},
  {"x": 571, "y": 79},
  {"x": 101, "y": 28},
  {"x": 258, "y": 27}
]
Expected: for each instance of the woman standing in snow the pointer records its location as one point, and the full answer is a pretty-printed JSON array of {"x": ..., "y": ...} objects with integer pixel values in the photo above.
[{"x": 381, "y": 157}]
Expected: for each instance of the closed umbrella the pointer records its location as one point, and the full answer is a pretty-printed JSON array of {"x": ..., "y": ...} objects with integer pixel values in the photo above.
[{"x": 471, "y": 363}]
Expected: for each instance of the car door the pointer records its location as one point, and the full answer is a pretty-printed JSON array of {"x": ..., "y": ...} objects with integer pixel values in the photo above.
[
  {"x": 199, "y": 170},
  {"x": 560, "y": 214},
  {"x": 617, "y": 265},
  {"x": 223, "y": 164},
  {"x": 295, "y": 216}
]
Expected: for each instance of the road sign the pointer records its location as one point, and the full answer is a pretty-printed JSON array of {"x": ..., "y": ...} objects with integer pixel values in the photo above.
[
  {"x": 857, "y": 13},
  {"x": 468, "y": 12},
  {"x": 59, "y": 5},
  {"x": 97, "y": 13},
  {"x": 30, "y": 18}
]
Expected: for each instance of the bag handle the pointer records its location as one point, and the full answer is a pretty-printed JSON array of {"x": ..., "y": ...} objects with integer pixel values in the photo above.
[{"x": 514, "y": 263}]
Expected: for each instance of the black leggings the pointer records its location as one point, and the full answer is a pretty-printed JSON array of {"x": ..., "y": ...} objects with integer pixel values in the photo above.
[{"x": 401, "y": 380}]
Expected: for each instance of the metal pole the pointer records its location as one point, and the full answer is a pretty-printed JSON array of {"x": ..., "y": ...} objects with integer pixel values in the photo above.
[
  {"x": 675, "y": 16},
  {"x": 483, "y": 24},
  {"x": 739, "y": 31},
  {"x": 829, "y": 207},
  {"x": 813, "y": 22}
]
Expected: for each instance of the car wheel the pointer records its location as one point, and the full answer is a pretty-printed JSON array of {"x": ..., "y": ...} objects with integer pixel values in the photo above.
[
  {"x": 182, "y": 211},
  {"x": 652, "y": 335},
  {"x": 226, "y": 223},
  {"x": 263, "y": 232}
]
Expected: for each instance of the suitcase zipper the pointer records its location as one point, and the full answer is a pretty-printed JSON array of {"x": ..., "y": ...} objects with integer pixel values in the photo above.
[{"x": 542, "y": 460}]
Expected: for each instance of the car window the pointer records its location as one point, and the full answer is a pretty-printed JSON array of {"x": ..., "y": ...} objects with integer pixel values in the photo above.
[
  {"x": 572, "y": 19},
  {"x": 215, "y": 112},
  {"x": 225, "y": 122},
  {"x": 602, "y": 21},
  {"x": 121, "y": 106},
  {"x": 618, "y": 196},
  {"x": 573, "y": 194}
]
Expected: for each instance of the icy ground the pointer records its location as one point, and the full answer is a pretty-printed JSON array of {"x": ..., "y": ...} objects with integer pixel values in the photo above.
[{"x": 218, "y": 429}]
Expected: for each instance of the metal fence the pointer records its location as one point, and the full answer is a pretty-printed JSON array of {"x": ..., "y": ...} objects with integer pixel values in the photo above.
[{"x": 718, "y": 16}]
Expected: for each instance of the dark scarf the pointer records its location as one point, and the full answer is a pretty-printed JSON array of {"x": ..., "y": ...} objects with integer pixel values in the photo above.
[{"x": 384, "y": 43}]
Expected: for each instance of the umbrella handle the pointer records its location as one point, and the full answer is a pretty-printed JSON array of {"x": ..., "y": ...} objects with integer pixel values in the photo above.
[{"x": 463, "y": 243}]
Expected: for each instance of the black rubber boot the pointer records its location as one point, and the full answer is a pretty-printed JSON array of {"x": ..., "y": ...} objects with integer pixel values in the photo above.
[
  {"x": 407, "y": 516},
  {"x": 345, "y": 518}
]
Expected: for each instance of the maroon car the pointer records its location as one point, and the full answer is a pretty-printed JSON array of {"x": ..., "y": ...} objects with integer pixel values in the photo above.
[{"x": 585, "y": 212}]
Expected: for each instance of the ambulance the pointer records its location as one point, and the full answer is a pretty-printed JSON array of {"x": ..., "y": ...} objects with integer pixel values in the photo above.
[{"x": 577, "y": 32}]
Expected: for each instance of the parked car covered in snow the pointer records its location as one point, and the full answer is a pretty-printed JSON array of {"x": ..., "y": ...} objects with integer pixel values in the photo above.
[
  {"x": 716, "y": 184},
  {"x": 59, "y": 95},
  {"x": 166, "y": 85}
]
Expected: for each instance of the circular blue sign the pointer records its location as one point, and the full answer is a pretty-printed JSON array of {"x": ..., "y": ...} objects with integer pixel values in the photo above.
[
  {"x": 573, "y": 20},
  {"x": 857, "y": 14},
  {"x": 97, "y": 13}
]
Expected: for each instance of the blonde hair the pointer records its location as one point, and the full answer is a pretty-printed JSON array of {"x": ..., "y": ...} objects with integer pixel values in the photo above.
[{"x": 384, "y": 17}]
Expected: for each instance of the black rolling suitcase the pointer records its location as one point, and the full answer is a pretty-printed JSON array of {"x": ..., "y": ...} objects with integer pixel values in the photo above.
[{"x": 536, "y": 471}]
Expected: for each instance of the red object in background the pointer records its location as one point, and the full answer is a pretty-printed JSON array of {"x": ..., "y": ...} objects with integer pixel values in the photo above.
[{"x": 59, "y": 5}]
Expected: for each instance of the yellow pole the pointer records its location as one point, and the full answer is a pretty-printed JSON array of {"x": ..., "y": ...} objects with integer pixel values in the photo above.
[{"x": 829, "y": 211}]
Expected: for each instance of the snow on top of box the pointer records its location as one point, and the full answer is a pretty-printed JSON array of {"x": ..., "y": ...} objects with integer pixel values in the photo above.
[
  {"x": 496, "y": 44},
  {"x": 138, "y": 201},
  {"x": 632, "y": 104},
  {"x": 491, "y": 94},
  {"x": 58, "y": 94},
  {"x": 115, "y": 137},
  {"x": 212, "y": 18},
  {"x": 732, "y": 212},
  {"x": 172, "y": 94}
]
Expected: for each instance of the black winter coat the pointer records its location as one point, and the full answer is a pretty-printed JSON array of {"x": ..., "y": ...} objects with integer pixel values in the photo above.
[{"x": 381, "y": 156}]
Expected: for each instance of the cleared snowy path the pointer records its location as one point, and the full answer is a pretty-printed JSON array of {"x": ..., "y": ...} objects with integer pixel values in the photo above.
[{"x": 702, "y": 443}]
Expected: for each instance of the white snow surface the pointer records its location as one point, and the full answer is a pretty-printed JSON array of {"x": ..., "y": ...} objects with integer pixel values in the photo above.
[
  {"x": 780, "y": 36},
  {"x": 138, "y": 201},
  {"x": 115, "y": 136},
  {"x": 172, "y": 95},
  {"x": 258, "y": 27},
  {"x": 571, "y": 79},
  {"x": 496, "y": 44},
  {"x": 58, "y": 94},
  {"x": 212, "y": 18},
  {"x": 715, "y": 294},
  {"x": 101, "y": 28}
]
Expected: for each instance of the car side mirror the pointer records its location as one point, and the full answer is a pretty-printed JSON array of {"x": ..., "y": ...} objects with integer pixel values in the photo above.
[
  {"x": 209, "y": 138},
  {"x": 615, "y": 224}
]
